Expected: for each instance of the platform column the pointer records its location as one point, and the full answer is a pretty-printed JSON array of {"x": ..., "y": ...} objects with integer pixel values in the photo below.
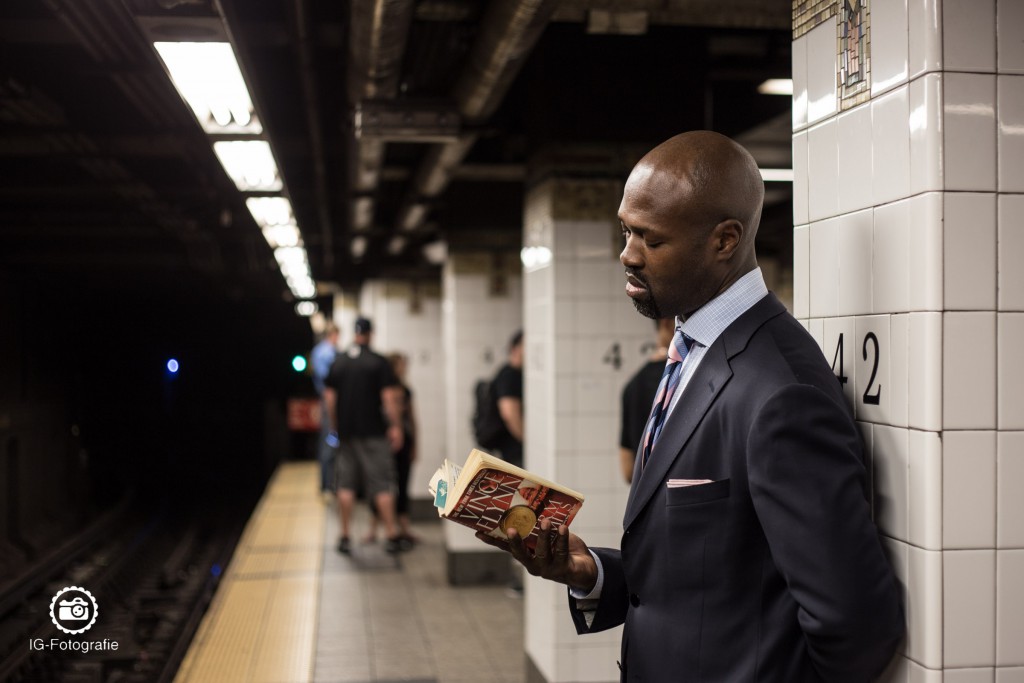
[
  {"x": 908, "y": 173},
  {"x": 482, "y": 308}
]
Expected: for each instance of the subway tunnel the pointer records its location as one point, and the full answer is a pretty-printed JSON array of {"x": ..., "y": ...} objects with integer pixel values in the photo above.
[{"x": 174, "y": 245}]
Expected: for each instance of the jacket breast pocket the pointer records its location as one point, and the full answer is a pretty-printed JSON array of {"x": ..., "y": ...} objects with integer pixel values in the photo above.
[{"x": 696, "y": 494}]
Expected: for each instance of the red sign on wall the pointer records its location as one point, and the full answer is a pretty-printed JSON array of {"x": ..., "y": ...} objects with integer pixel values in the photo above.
[{"x": 304, "y": 414}]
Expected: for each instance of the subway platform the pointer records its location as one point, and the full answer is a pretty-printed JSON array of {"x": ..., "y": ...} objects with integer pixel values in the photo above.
[{"x": 290, "y": 609}]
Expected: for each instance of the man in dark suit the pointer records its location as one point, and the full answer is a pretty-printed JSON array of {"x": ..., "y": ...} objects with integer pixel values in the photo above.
[{"x": 748, "y": 552}]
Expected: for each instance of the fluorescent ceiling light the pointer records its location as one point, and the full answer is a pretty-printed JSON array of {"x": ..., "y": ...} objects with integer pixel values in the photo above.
[
  {"x": 396, "y": 245},
  {"x": 414, "y": 214},
  {"x": 358, "y": 247},
  {"x": 306, "y": 308},
  {"x": 269, "y": 211},
  {"x": 250, "y": 164},
  {"x": 303, "y": 289},
  {"x": 282, "y": 236},
  {"x": 782, "y": 175},
  {"x": 776, "y": 86},
  {"x": 208, "y": 77}
]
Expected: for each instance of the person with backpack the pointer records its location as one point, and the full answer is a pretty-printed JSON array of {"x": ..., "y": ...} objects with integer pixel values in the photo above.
[{"x": 503, "y": 433}]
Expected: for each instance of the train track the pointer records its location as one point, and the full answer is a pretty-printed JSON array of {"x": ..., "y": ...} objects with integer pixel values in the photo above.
[{"x": 153, "y": 573}]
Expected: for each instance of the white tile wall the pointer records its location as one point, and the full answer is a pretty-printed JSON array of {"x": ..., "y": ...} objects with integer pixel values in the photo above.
[
  {"x": 969, "y": 608},
  {"x": 891, "y": 254},
  {"x": 920, "y": 674},
  {"x": 926, "y": 478},
  {"x": 821, "y": 71},
  {"x": 969, "y": 371},
  {"x": 925, "y": 42},
  {"x": 801, "y": 270},
  {"x": 1010, "y": 607},
  {"x": 1011, "y": 252},
  {"x": 800, "y": 177},
  {"x": 926, "y": 162},
  {"x": 968, "y": 489},
  {"x": 890, "y": 452},
  {"x": 969, "y": 239},
  {"x": 1010, "y": 98},
  {"x": 872, "y": 357},
  {"x": 889, "y": 45},
  {"x": 983, "y": 675},
  {"x": 1010, "y": 504},
  {"x": 968, "y": 28},
  {"x": 899, "y": 370},
  {"x": 822, "y": 171},
  {"x": 799, "y": 74},
  {"x": 824, "y": 270},
  {"x": 1010, "y": 48},
  {"x": 840, "y": 347},
  {"x": 1010, "y": 675},
  {"x": 890, "y": 145},
  {"x": 1010, "y": 399},
  {"x": 854, "y": 130},
  {"x": 925, "y": 371},
  {"x": 926, "y": 257},
  {"x": 855, "y": 237},
  {"x": 969, "y": 120},
  {"x": 925, "y": 607}
]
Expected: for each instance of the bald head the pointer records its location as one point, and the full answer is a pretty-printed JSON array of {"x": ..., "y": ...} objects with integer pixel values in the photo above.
[{"x": 709, "y": 178}]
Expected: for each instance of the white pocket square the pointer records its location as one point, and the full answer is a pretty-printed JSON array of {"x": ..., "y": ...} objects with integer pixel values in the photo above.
[{"x": 681, "y": 483}]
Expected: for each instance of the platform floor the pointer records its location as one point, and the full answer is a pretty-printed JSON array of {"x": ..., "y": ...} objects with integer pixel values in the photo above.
[{"x": 292, "y": 610}]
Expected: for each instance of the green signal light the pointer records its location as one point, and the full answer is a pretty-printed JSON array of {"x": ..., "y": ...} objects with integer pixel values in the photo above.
[{"x": 299, "y": 363}]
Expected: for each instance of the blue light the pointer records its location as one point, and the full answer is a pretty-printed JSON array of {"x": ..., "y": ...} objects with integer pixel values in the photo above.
[
  {"x": 299, "y": 363},
  {"x": 215, "y": 569},
  {"x": 172, "y": 366}
]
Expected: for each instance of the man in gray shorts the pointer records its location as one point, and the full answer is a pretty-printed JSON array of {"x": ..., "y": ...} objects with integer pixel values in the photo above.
[{"x": 363, "y": 399}]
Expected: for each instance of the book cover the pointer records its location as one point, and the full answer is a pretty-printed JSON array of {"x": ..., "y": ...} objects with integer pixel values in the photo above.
[{"x": 490, "y": 495}]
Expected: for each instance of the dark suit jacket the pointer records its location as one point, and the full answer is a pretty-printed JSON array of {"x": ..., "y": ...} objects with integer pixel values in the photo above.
[{"x": 773, "y": 572}]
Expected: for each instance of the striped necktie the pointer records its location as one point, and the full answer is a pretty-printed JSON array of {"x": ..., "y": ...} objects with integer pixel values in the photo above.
[{"x": 666, "y": 389}]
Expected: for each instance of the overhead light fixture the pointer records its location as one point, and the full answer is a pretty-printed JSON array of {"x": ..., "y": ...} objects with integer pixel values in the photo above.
[
  {"x": 250, "y": 163},
  {"x": 362, "y": 213},
  {"x": 358, "y": 247},
  {"x": 436, "y": 252},
  {"x": 282, "y": 236},
  {"x": 306, "y": 308},
  {"x": 413, "y": 216},
  {"x": 269, "y": 211},
  {"x": 776, "y": 86},
  {"x": 208, "y": 78},
  {"x": 778, "y": 175},
  {"x": 396, "y": 245}
]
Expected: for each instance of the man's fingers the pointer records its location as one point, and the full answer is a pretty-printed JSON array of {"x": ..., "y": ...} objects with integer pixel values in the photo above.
[{"x": 562, "y": 542}]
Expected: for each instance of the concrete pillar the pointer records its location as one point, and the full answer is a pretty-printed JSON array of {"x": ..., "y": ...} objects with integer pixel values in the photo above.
[
  {"x": 407, "y": 318},
  {"x": 482, "y": 309},
  {"x": 584, "y": 341},
  {"x": 909, "y": 170}
]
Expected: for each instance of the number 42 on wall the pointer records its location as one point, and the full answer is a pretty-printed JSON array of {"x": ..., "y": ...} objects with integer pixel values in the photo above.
[{"x": 872, "y": 392}]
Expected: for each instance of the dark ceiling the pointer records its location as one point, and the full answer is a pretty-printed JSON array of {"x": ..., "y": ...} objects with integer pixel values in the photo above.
[{"x": 108, "y": 178}]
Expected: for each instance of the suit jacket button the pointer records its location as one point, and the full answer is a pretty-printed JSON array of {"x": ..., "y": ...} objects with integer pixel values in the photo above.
[{"x": 634, "y": 599}]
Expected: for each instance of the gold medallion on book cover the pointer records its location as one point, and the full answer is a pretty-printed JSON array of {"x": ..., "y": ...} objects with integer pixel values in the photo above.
[{"x": 521, "y": 517}]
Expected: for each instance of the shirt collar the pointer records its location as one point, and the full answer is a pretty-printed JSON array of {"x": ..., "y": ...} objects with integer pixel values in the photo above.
[{"x": 711, "y": 319}]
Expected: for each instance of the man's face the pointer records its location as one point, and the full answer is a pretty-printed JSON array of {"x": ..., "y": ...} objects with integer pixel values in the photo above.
[{"x": 669, "y": 261}]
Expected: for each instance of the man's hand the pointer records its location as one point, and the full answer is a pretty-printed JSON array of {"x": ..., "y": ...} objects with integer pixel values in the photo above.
[
  {"x": 559, "y": 555},
  {"x": 396, "y": 437}
]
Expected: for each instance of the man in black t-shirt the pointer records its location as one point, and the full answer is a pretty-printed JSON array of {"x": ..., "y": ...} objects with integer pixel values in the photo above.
[
  {"x": 508, "y": 388},
  {"x": 364, "y": 399}
]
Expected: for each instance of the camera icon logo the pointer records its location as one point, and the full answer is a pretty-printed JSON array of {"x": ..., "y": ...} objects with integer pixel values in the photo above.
[{"x": 73, "y": 610}]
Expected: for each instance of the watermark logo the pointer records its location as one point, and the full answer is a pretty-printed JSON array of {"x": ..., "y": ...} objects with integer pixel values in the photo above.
[{"x": 73, "y": 610}]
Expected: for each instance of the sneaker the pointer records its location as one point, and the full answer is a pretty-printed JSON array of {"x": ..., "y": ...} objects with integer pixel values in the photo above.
[
  {"x": 394, "y": 545},
  {"x": 344, "y": 546},
  {"x": 405, "y": 543}
]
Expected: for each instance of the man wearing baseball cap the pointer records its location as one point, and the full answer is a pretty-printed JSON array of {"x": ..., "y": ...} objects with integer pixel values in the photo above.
[{"x": 363, "y": 398}]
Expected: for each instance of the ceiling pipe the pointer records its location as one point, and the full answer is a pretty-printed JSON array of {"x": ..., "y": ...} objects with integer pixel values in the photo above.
[
  {"x": 508, "y": 32},
  {"x": 378, "y": 33},
  {"x": 316, "y": 138}
]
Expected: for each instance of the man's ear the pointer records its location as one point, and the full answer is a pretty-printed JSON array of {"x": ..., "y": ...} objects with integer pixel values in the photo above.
[{"x": 726, "y": 237}]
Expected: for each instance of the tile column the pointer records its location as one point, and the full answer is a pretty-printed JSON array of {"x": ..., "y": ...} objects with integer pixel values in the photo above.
[
  {"x": 584, "y": 340},
  {"x": 909, "y": 170},
  {"x": 482, "y": 309}
]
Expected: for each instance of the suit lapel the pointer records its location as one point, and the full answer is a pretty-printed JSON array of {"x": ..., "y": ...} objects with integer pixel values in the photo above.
[
  {"x": 702, "y": 390},
  {"x": 700, "y": 393}
]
